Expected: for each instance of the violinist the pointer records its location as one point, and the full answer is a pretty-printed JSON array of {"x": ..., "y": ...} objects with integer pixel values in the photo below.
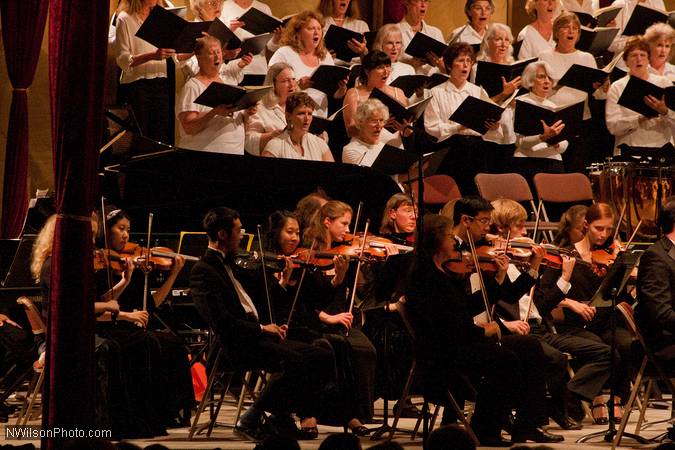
[
  {"x": 574, "y": 286},
  {"x": 399, "y": 219},
  {"x": 168, "y": 359},
  {"x": 472, "y": 219},
  {"x": 330, "y": 225},
  {"x": 250, "y": 341},
  {"x": 655, "y": 311},
  {"x": 571, "y": 226},
  {"x": 308, "y": 205},
  {"x": 449, "y": 343},
  {"x": 592, "y": 357}
]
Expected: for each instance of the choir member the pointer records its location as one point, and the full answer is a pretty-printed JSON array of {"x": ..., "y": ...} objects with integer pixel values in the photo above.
[
  {"x": 369, "y": 119},
  {"x": 413, "y": 22},
  {"x": 304, "y": 50},
  {"x": 269, "y": 121},
  {"x": 389, "y": 41},
  {"x": 219, "y": 129},
  {"x": 537, "y": 36},
  {"x": 630, "y": 127},
  {"x": 660, "y": 38},
  {"x": 533, "y": 154},
  {"x": 478, "y": 13},
  {"x": 584, "y": 6},
  {"x": 345, "y": 14},
  {"x": 143, "y": 82},
  {"x": 628, "y": 6},
  {"x": 296, "y": 142}
]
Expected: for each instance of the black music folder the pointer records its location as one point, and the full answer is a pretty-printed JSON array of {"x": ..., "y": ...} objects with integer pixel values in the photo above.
[
  {"x": 528, "y": 119},
  {"x": 489, "y": 75},
  {"x": 257, "y": 22},
  {"x": 224, "y": 94},
  {"x": 600, "y": 17},
  {"x": 164, "y": 29},
  {"x": 253, "y": 45},
  {"x": 354, "y": 72},
  {"x": 474, "y": 112},
  {"x": 596, "y": 40},
  {"x": 583, "y": 77},
  {"x": 336, "y": 39},
  {"x": 516, "y": 48},
  {"x": 253, "y": 79},
  {"x": 637, "y": 89},
  {"x": 397, "y": 110},
  {"x": 320, "y": 124},
  {"x": 326, "y": 78},
  {"x": 642, "y": 18},
  {"x": 421, "y": 44},
  {"x": 392, "y": 160},
  {"x": 409, "y": 84}
]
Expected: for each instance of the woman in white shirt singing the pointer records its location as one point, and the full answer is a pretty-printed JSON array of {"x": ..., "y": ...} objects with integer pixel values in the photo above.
[{"x": 538, "y": 35}]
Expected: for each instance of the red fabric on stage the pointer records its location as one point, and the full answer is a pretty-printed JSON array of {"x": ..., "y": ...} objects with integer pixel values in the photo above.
[
  {"x": 77, "y": 54},
  {"x": 23, "y": 26}
]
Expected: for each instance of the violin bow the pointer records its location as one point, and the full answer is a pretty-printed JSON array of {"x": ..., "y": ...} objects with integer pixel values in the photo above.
[
  {"x": 481, "y": 281},
  {"x": 146, "y": 283},
  {"x": 358, "y": 217},
  {"x": 104, "y": 219},
  {"x": 264, "y": 271},
  {"x": 358, "y": 269},
  {"x": 302, "y": 278},
  {"x": 618, "y": 224},
  {"x": 630, "y": 241}
]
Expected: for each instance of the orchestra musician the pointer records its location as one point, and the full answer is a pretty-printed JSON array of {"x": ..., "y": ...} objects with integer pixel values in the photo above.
[
  {"x": 449, "y": 343},
  {"x": 250, "y": 341},
  {"x": 296, "y": 142},
  {"x": 219, "y": 129},
  {"x": 655, "y": 310},
  {"x": 573, "y": 287}
]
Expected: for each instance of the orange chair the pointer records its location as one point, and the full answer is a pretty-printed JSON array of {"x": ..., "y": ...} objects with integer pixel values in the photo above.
[{"x": 438, "y": 190}]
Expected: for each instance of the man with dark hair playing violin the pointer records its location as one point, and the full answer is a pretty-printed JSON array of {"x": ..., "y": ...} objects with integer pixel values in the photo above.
[
  {"x": 472, "y": 218},
  {"x": 592, "y": 358},
  {"x": 222, "y": 301},
  {"x": 450, "y": 343}
]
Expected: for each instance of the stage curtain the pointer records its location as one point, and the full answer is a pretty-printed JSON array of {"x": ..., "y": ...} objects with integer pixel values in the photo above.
[
  {"x": 23, "y": 26},
  {"x": 77, "y": 54}
]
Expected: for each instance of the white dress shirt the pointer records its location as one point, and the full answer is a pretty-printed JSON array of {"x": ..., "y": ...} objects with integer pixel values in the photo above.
[
  {"x": 269, "y": 117},
  {"x": 282, "y": 147},
  {"x": 623, "y": 17},
  {"x": 399, "y": 69},
  {"x": 127, "y": 45},
  {"x": 623, "y": 123},
  {"x": 361, "y": 153},
  {"x": 467, "y": 34},
  {"x": 407, "y": 34},
  {"x": 446, "y": 99},
  {"x": 668, "y": 71},
  {"x": 533, "y": 146},
  {"x": 244, "y": 298},
  {"x": 222, "y": 134},
  {"x": 587, "y": 6},
  {"x": 289, "y": 56},
  {"x": 533, "y": 43}
]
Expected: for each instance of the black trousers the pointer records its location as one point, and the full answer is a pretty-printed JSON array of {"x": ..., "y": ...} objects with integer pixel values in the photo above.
[{"x": 299, "y": 372}]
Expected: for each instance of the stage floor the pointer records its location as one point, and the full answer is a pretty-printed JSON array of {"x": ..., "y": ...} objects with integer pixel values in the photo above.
[{"x": 223, "y": 438}]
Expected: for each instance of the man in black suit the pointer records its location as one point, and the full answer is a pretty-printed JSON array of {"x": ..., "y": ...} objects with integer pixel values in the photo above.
[
  {"x": 299, "y": 369},
  {"x": 655, "y": 312}
]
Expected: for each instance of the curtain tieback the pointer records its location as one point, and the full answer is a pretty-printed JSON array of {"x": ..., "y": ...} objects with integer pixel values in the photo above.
[{"x": 21, "y": 89}]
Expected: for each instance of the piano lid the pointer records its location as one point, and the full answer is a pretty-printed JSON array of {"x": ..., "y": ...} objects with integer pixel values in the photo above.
[{"x": 180, "y": 186}]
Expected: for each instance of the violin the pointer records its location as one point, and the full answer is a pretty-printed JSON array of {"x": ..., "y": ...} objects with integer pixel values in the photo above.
[
  {"x": 273, "y": 262},
  {"x": 378, "y": 242},
  {"x": 161, "y": 258}
]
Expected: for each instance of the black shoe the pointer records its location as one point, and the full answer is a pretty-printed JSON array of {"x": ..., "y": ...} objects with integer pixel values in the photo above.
[
  {"x": 284, "y": 425},
  {"x": 565, "y": 422},
  {"x": 536, "y": 435},
  {"x": 253, "y": 434},
  {"x": 409, "y": 411},
  {"x": 493, "y": 441}
]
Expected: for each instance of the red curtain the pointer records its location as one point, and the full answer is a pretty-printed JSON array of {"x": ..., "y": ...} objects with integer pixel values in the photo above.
[
  {"x": 77, "y": 54},
  {"x": 23, "y": 26}
]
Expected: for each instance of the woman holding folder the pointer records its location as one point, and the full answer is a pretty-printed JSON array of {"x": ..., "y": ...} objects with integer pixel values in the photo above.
[
  {"x": 143, "y": 82},
  {"x": 537, "y": 37},
  {"x": 628, "y": 126},
  {"x": 390, "y": 41},
  {"x": 345, "y": 14},
  {"x": 533, "y": 153}
]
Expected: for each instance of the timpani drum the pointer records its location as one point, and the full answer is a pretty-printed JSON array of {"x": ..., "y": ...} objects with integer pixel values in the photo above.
[
  {"x": 608, "y": 180},
  {"x": 642, "y": 184}
]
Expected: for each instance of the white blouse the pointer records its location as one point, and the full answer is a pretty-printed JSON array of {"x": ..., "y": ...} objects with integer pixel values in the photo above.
[
  {"x": 446, "y": 99},
  {"x": 624, "y": 123},
  {"x": 399, "y": 69},
  {"x": 127, "y": 45},
  {"x": 356, "y": 25},
  {"x": 533, "y": 43},
  {"x": 467, "y": 34},
  {"x": 623, "y": 17},
  {"x": 269, "y": 117},
  {"x": 407, "y": 34},
  {"x": 232, "y": 11},
  {"x": 222, "y": 135},
  {"x": 587, "y": 6},
  {"x": 282, "y": 147},
  {"x": 668, "y": 71},
  {"x": 289, "y": 56},
  {"x": 360, "y": 153},
  {"x": 533, "y": 146}
]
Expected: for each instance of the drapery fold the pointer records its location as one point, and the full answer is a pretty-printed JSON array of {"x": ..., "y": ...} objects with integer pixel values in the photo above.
[
  {"x": 77, "y": 55},
  {"x": 23, "y": 26}
]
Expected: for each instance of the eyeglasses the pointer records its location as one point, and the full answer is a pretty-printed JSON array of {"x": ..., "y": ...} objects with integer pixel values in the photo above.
[
  {"x": 483, "y": 221},
  {"x": 213, "y": 3}
]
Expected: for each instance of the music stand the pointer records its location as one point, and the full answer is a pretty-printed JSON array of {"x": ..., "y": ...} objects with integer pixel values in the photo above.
[{"x": 606, "y": 296}]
